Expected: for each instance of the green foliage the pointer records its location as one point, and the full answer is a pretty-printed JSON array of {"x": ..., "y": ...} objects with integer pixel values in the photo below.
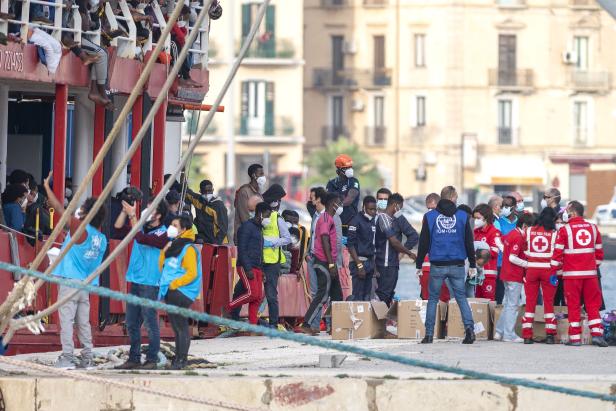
[{"x": 322, "y": 169}]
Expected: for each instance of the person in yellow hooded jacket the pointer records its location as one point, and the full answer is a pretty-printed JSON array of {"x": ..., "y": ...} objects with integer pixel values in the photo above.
[{"x": 180, "y": 282}]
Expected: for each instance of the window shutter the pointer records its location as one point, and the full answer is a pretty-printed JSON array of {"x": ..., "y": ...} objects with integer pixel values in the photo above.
[
  {"x": 413, "y": 112},
  {"x": 269, "y": 108},
  {"x": 270, "y": 28},
  {"x": 244, "y": 110},
  {"x": 246, "y": 19}
]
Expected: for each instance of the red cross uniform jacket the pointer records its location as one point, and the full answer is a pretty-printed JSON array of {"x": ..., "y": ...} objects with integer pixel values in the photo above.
[
  {"x": 513, "y": 248},
  {"x": 492, "y": 236},
  {"x": 539, "y": 248},
  {"x": 578, "y": 249}
]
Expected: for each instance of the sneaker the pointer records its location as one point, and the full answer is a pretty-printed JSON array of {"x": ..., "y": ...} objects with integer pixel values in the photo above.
[
  {"x": 528, "y": 341},
  {"x": 469, "y": 336},
  {"x": 599, "y": 342},
  {"x": 128, "y": 365},
  {"x": 86, "y": 364},
  {"x": 148, "y": 365},
  {"x": 498, "y": 336},
  {"x": 517, "y": 340},
  {"x": 549, "y": 339},
  {"x": 178, "y": 365},
  {"x": 64, "y": 362}
]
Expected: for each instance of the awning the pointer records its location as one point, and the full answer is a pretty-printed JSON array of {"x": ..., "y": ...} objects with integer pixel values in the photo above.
[{"x": 524, "y": 170}]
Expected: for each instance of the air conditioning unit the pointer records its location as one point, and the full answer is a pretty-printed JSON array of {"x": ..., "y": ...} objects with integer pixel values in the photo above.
[
  {"x": 357, "y": 105},
  {"x": 569, "y": 57},
  {"x": 349, "y": 47}
]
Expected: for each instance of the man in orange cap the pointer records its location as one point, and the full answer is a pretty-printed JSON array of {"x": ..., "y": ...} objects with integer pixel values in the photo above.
[{"x": 347, "y": 187}]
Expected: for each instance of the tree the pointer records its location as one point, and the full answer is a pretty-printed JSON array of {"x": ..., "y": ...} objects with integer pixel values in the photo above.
[{"x": 321, "y": 165}]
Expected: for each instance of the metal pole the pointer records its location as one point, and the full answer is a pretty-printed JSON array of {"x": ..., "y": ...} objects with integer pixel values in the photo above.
[
  {"x": 230, "y": 104},
  {"x": 59, "y": 140}
]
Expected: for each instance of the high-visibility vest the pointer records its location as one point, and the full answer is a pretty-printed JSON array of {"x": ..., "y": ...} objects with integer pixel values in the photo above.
[{"x": 272, "y": 255}]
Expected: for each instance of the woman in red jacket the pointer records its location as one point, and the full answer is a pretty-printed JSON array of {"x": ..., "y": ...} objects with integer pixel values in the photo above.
[{"x": 486, "y": 232}]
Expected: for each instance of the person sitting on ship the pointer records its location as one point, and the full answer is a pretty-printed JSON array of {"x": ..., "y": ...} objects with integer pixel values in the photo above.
[{"x": 14, "y": 202}]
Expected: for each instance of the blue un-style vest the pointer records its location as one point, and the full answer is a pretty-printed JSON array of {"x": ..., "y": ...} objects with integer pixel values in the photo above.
[
  {"x": 173, "y": 269},
  {"x": 82, "y": 259},
  {"x": 143, "y": 265},
  {"x": 447, "y": 236}
]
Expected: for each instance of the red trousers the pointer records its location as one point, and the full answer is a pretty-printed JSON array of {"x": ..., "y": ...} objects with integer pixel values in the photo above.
[
  {"x": 575, "y": 289},
  {"x": 536, "y": 278},
  {"x": 424, "y": 282},
  {"x": 487, "y": 289},
  {"x": 253, "y": 295}
]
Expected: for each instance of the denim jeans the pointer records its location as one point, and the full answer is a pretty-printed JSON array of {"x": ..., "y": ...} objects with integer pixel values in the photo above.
[
  {"x": 457, "y": 277},
  {"x": 135, "y": 317},
  {"x": 313, "y": 293},
  {"x": 469, "y": 289},
  {"x": 511, "y": 303}
]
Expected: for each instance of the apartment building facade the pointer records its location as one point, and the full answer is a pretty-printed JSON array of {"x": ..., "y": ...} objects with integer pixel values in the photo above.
[
  {"x": 262, "y": 121},
  {"x": 483, "y": 94}
]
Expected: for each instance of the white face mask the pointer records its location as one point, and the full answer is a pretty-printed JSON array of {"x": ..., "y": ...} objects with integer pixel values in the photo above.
[
  {"x": 78, "y": 214},
  {"x": 93, "y": 4},
  {"x": 35, "y": 198},
  {"x": 520, "y": 207},
  {"x": 348, "y": 173},
  {"x": 181, "y": 24},
  {"x": 68, "y": 192},
  {"x": 141, "y": 6},
  {"x": 288, "y": 224},
  {"x": 261, "y": 181},
  {"x": 339, "y": 210},
  {"x": 381, "y": 204},
  {"x": 24, "y": 202},
  {"x": 149, "y": 218},
  {"x": 172, "y": 232},
  {"x": 251, "y": 214},
  {"x": 480, "y": 222},
  {"x": 565, "y": 216},
  {"x": 368, "y": 216},
  {"x": 505, "y": 212},
  {"x": 266, "y": 221},
  {"x": 544, "y": 203},
  {"x": 208, "y": 197}
]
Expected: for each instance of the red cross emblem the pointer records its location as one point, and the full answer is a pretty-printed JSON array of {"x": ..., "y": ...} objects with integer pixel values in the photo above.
[
  {"x": 540, "y": 244},
  {"x": 583, "y": 237}
]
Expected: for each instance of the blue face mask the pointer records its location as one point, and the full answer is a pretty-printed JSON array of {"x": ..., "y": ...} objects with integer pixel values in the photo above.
[
  {"x": 520, "y": 207},
  {"x": 381, "y": 204},
  {"x": 505, "y": 212}
]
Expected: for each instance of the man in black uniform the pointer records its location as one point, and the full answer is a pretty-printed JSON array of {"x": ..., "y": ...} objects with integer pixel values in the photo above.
[
  {"x": 211, "y": 219},
  {"x": 361, "y": 248},
  {"x": 347, "y": 187}
]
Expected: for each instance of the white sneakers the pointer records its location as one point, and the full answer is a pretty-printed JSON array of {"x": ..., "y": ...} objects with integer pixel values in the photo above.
[
  {"x": 498, "y": 336},
  {"x": 515, "y": 340}
]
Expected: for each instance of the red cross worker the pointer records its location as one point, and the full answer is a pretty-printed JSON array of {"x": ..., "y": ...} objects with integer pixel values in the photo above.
[{"x": 579, "y": 251}]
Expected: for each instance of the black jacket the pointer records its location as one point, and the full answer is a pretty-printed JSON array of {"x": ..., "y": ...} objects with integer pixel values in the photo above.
[
  {"x": 250, "y": 245},
  {"x": 447, "y": 208},
  {"x": 211, "y": 218}
]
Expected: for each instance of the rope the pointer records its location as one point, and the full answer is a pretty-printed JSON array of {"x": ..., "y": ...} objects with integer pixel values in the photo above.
[
  {"x": 305, "y": 339},
  {"x": 159, "y": 197},
  {"x": 80, "y": 376},
  {"x": 6, "y": 312}
]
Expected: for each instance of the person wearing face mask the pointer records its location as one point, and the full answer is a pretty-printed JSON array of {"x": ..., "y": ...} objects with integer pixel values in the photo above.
[
  {"x": 250, "y": 264},
  {"x": 390, "y": 227},
  {"x": 446, "y": 236},
  {"x": 512, "y": 274},
  {"x": 579, "y": 252},
  {"x": 211, "y": 219},
  {"x": 40, "y": 207},
  {"x": 180, "y": 281},
  {"x": 347, "y": 187},
  {"x": 173, "y": 200},
  {"x": 559, "y": 296},
  {"x": 143, "y": 273},
  {"x": 381, "y": 199},
  {"x": 179, "y": 34},
  {"x": 551, "y": 198},
  {"x": 519, "y": 202},
  {"x": 319, "y": 199},
  {"x": 276, "y": 235},
  {"x": 507, "y": 221},
  {"x": 496, "y": 204},
  {"x": 362, "y": 230},
  {"x": 486, "y": 231},
  {"x": 325, "y": 256},
  {"x": 254, "y": 188},
  {"x": 432, "y": 200},
  {"x": 299, "y": 240},
  {"x": 80, "y": 261},
  {"x": 14, "y": 202}
]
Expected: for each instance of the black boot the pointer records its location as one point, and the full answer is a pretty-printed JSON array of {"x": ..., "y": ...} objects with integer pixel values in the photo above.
[
  {"x": 469, "y": 336},
  {"x": 599, "y": 342},
  {"x": 530, "y": 341},
  {"x": 427, "y": 339},
  {"x": 549, "y": 339}
]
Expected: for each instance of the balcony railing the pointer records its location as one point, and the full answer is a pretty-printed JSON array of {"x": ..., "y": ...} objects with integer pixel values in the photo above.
[
  {"x": 507, "y": 135},
  {"x": 333, "y": 4},
  {"x": 271, "y": 126},
  {"x": 270, "y": 48},
  {"x": 512, "y": 80},
  {"x": 376, "y": 3},
  {"x": 333, "y": 133},
  {"x": 598, "y": 81},
  {"x": 351, "y": 78},
  {"x": 375, "y": 135}
]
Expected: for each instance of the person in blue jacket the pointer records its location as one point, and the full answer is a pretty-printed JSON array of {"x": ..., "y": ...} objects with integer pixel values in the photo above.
[
  {"x": 361, "y": 248},
  {"x": 180, "y": 281},
  {"x": 143, "y": 274},
  {"x": 14, "y": 202}
]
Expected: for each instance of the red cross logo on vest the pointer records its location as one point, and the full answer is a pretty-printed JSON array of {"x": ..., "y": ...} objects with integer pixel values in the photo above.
[
  {"x": 540, "y": 244},
  {"x": 583, "y": 237}
]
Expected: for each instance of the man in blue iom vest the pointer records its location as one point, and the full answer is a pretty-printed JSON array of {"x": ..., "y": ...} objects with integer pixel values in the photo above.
[
  {"x": 144, "y": 275},
  {"x": 446, "y": 236}
]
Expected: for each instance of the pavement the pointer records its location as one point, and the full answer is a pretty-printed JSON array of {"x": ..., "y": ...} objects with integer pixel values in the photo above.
[{"x": 265, "y": 357}]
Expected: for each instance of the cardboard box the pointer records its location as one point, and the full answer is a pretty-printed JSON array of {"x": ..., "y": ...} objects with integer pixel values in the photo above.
[
  {"x": 480, "y": 308},
  {"x": 410, "y": 316},
  {"x": 539, "y": 323},
  {"x": 352, "y": 320}
]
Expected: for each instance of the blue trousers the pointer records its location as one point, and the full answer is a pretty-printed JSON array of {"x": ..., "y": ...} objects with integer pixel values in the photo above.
[
  {"x": 457, "y": 278},
  {"x": 136, "y": 316}
]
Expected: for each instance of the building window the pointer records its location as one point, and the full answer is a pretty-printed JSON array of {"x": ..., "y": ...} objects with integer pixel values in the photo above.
[
  {"x": 257, "y": 111},
  {"x": 580, "y": 47},
  {"x": 420, "y": 50},
  {"x": 505, "y": 126},
  {"x": 507, "y": 45},
  {"x": 420, "y": 108},
  {"x": 335, "y": 127},
  {"x": 580, "y": 122}
]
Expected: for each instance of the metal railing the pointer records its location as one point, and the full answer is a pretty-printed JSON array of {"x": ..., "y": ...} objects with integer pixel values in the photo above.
[
  {"x": 270, "y": 126},
  {"x": 351, "y": 78},
  {"x": 376, "y": 3},
  {"x": 375, "y": 135},
  {"x": 507, "y": 135},
  {"x": 512, "y": 79},
  {"x": 334, "y": 3},
  {"x": 271, "y": 48},
  {"x": 334, "y": 133},
  {"x": 591, "y": 80}
]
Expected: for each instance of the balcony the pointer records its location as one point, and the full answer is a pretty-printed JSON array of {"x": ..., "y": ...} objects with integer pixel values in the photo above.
[
  {"x": 375, "y": 135},
  {"x": 507, "y": 135},
  {"x": 522, "y": 80},
  {"x": 268, "y": 127},
  {"x": 327, "y": 78},
  {"x": 511, "y": 4},
  {"x": 271, "y": 48},
  {"x": 591, "y": 81},
  {"x": 333, "y": 133},
  {"x": 583, "y": 4},
  {"x": 334, "y": 4},
  {"x": 376, "y": 3}
]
